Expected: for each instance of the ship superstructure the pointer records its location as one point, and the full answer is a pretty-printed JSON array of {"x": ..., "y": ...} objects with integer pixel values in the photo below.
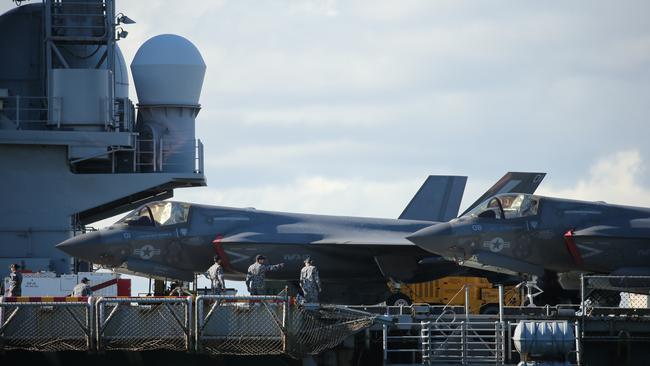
[{"x": 74, "y": 149}]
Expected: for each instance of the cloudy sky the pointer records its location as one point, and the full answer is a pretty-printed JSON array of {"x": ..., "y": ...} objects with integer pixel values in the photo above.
[{"x": 344, "y": 107}]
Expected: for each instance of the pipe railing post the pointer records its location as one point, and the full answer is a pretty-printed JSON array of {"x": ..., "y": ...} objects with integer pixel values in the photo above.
[
  {"x": 189, "y": 323},
  {"x": 466, "y": 302},
  {"x": 582, "y": 295},
  {"x": 384, "y": 341},
  {"x": 90, "y": 320},
  {"x": 2, "y": 310},
  {"x": 501, "y": 303},
  {"x": 199, "y": 323},
  {"x": 285, "y": 320},
  {"x": 463, "y": 328}
]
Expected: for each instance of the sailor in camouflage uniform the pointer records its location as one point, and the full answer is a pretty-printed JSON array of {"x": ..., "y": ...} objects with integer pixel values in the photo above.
[
  {"x": 257, "y": 273},
  {"x": 15, "y": 281},
  {"x": 216, "y": 275},
  {"x": 310, "y": 281},
  {"x": 82, "y": 289}
]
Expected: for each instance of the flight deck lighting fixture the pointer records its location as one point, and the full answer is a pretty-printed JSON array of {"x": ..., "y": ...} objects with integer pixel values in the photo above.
[
  {"x": 120, "y": 18},
  {"x": 121, "y": 33}
]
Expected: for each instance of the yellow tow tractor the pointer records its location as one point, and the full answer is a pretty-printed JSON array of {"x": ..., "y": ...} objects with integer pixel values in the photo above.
[{"x": 483, "y": 295}]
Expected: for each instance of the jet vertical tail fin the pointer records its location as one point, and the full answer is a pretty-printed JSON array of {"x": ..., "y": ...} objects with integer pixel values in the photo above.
[
  {"x": 512, "y": 182},
  {"x": 437, "y": 200}
]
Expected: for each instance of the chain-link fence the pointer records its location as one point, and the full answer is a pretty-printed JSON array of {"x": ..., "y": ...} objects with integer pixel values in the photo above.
[
  {"x": 234, "y": 325},
  {"x": 267, "y": 325},
  {"x": 45, "y": 326},
  {"x": 241, "y": 325},
  {"x": 313, "y": 330},
  {"x": 138, "y": 324},
  {"x": 612, "y": 293}
]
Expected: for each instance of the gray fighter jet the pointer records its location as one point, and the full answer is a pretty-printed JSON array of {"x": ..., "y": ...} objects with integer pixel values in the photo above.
[
  {"x": 355, "y": 255},
  {"x": 524, "y": 234}
]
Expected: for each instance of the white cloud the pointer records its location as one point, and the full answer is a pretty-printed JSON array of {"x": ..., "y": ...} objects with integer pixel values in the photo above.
[
  {"x": 364, "y": 90},
  {"x": 316, "y": 195},
  {"x": 320, "y": 7},
  {"x": 614, "y": 179}
]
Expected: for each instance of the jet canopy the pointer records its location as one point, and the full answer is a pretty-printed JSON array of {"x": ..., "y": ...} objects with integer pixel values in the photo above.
[
  {"x": 507, "y": 206},
  {"x": 158, "y": 214}
]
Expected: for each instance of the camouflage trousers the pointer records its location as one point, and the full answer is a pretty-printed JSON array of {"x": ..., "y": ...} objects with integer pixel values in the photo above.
[{"x": 311, "y": 296}]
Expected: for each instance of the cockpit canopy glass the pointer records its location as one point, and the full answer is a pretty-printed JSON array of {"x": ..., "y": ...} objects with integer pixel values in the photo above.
[
  {"x": 158, "y": 214},
  {"x": 507, "y": 206}
]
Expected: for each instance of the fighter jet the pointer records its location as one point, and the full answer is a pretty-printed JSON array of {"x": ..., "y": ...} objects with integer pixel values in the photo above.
[
  {"x": 525, "y": 234},
  {"x": 355, "y": 255}
]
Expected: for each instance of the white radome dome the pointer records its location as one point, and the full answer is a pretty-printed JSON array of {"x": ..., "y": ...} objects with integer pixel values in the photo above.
[{"x": 168, "y": 70}]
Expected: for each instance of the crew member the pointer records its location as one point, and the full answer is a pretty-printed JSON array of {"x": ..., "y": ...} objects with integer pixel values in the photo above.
[
  {"x": 82, "y": 288},
  {"x": 215, "y": 274},
  {"x": 15, "y": 281},
  {"x": 178, "y": 289},
  {"x": 257, "y": 274},
  {"x": 310, "y": 281}
]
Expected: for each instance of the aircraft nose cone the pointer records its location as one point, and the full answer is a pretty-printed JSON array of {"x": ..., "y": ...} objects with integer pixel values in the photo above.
[
  {"x": 431, "y": 232},
  {"x": 433, "y": 238},
  {"x": 82, "y": 246}
]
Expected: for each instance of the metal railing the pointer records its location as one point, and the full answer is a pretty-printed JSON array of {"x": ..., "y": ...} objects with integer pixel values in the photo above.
[
  {"x": 33, "y": 325},
  {"x": 447, "y": 340},
  {"x": 446, "y": 334},
  {"x": 464, "y": 342},
  {"x": 402, "y": 343},
  {"x": 80, "y": 21},
  {"x": 154, "y": 156},
  {"x": 29, "y": 112},
  {"x": 144, "y": 323},
  {"x": 124, "y": 114}
]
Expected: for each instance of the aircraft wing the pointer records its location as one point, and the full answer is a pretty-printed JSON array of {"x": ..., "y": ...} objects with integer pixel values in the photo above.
[
  {"x": 512, "y": 182},
  {"x": 437, "y": 200}
]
